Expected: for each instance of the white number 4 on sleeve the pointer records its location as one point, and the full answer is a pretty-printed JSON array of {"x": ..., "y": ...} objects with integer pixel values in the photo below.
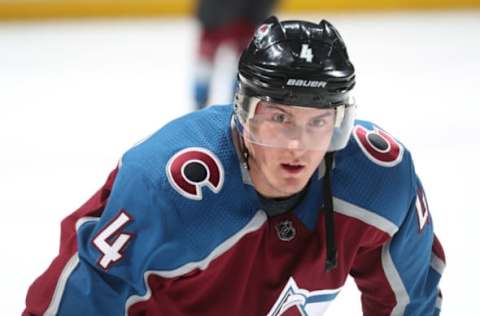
[
  {"x": 422, "y": 209},
  {"x": 110, "y": 242}
]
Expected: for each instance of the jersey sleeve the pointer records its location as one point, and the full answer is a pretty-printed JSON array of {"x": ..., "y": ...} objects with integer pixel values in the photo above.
[
  {"x": 401, "y": 276},
  {"x": 100, "y": 260}
]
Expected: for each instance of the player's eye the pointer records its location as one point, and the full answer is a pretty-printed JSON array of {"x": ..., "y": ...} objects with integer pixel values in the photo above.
[
  {"x": 318, "y": 122},
  {"x": 321, "y": 121},
  {"x": 279, "y": 118}
]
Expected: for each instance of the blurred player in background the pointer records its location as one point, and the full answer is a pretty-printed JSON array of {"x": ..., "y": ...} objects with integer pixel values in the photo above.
[
  {"x": 260, "y": 208},
  {"x": 224, "y": 23}
]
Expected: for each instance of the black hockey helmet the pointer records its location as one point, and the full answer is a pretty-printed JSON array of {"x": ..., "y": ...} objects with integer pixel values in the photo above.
[{"x": 297, "y": 63}]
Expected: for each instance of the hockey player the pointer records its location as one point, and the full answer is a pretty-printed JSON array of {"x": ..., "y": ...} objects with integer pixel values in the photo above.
[
  {"x": 263, "y": 208},
  {"x": 223, "y": 23}
]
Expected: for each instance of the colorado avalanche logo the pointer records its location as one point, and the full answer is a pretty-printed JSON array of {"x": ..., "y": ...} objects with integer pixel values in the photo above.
[
  {"x": 193, "y": 168},
  {"x": 379, "y": 146},
  {"x": 296, "y": 301}
]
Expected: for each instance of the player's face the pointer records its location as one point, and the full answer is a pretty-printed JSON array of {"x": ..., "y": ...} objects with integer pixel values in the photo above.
[{"x": 284, "y": 169}]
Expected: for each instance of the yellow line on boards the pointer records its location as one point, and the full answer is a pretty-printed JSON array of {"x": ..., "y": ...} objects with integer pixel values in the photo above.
[{"x": 39, "y": 9}]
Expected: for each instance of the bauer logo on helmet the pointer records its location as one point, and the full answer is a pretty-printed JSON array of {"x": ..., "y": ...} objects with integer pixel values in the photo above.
[{"x": 306, "y": 83}]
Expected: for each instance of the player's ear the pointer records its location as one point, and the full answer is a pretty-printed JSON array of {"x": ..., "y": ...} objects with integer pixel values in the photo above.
[{"x": 249, "y": 149}]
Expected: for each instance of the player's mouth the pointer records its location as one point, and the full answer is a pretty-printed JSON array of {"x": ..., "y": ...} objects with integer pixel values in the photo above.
[{"x": 292, "y": 168}]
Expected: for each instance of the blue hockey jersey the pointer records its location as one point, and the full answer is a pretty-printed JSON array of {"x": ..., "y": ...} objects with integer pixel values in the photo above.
[{"x": 178, "y": 229}]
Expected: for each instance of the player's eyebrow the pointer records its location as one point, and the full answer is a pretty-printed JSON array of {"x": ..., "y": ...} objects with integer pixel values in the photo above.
[{"x": 275, "y": 107}]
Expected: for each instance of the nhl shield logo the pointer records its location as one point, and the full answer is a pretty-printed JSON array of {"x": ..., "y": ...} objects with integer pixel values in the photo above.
[{"x": 285, "y": 230}]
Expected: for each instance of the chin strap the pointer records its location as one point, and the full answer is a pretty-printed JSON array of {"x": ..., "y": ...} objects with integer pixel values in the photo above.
[{"x": 331, "y": 261}]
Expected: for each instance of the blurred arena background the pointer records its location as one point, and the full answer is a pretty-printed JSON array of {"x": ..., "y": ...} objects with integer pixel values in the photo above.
[{"x": 82, "y": 81}]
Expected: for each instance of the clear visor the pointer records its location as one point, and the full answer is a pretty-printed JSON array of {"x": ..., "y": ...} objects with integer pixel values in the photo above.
[{"x": 285, "y": 126}]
